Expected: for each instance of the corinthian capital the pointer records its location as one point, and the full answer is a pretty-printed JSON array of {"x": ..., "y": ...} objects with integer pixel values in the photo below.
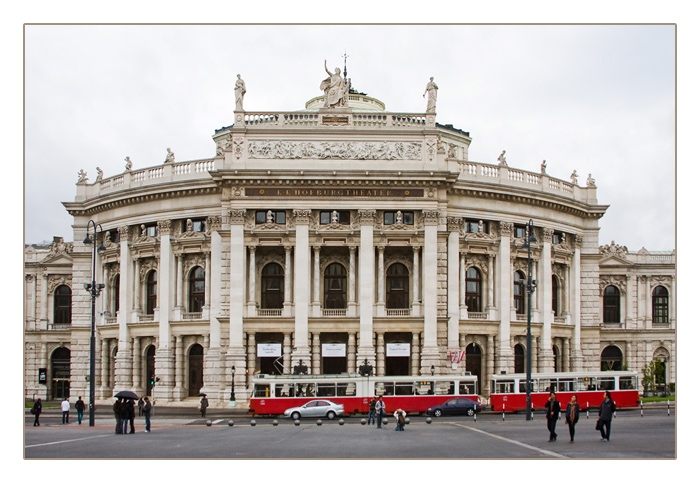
[{"x": 366, "y": 217}]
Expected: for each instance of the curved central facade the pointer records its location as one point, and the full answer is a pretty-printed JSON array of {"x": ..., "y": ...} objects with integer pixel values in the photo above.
[{"x": 328, "y": 236}]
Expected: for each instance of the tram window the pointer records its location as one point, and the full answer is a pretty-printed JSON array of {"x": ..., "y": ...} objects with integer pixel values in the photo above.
[
  {"x": 311, "y": 390},
  {"x": 504, "y": 387},
  {"x": 606, "y": 384},
  {"x": 326, "y": 390},
  {"x": 628, "y": 383},
  {"x": 544, "y": 385},
  {"x": 388, "y": 388},
  {"x": 565, "y": 385},
  {"x": 379, "y": 388},
  {"x": 443, "y": 388},
  {"x": 467, "y": 388},
  {"x": 261, "y": 390},
  {"x": 404, "y": 389},
  {"x": 522, "y": 387}
]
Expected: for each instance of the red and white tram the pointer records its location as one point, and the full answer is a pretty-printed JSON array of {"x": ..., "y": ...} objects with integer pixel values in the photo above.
[
  {"x": 508, "y": 391},
  {"x": 273, "y": 394}
]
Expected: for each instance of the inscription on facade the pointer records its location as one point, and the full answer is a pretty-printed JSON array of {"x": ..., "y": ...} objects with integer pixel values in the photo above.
[{"x": 336, "y": 192}]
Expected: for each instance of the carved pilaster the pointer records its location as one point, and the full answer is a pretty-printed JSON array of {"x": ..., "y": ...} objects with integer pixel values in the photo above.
[
  {"x": 237, "y": 217},
  {"x": 164, "y": 227},
  {"x": 454, "y": 223},
  {"x": 301, "y": 216},
  {"x": 431, "y": 217},
  {"x": 213, "y": 224},
  {"x": 547, "y": 234},
  {"x": 506, "y": 229},
  {"x": 366, "y": 217}
]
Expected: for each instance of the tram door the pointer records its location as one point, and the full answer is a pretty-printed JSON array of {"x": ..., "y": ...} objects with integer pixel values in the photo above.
[
  {"x": 60, "y": 370},
  {"x": 196, "y": 370}
]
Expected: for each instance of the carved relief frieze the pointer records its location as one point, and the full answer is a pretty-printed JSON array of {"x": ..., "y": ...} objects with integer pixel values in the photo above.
[
  {"x": 619, "y": 281},
  {"x": 145, "y": 266},
  {"x": 238, "y": 142},
  {"x": 276, "y": 149},
  {"x": 223, "y": 144},
  {"x": 479, "y": 261},
  {"x": 613, "y": 250},
  {"x": 57, "y": 280}
]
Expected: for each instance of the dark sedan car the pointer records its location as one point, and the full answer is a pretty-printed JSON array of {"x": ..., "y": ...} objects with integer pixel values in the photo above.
[{"x": 455, "y": 407}]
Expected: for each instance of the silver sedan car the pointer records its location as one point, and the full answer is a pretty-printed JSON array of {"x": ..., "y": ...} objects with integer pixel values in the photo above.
[{"x": 318, "y": 408}]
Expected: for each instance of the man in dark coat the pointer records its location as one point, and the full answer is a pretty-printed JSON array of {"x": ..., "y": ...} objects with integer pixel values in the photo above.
[
  {"x": 36, "y": 411},
  {"x": 132, "y": 415},
  {"x": 124, "y": 414},
  {"x": 80, "y": 407},
  {"x": 605, "y": 415},
  {"x": 117, "y": 408},
  {"x": 553, "y": 409}
]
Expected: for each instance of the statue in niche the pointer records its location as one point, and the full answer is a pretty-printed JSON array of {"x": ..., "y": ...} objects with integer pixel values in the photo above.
[
  {"x": 502, "y": 159},
  {"x": 334, "y": 88},
  {"x": 240, "y": 91},
  {"x": 99, "y": 175},
  {"x": 128, "y": 165},
  {"x": 431, "y": 89},
  {"x": 170, "y": 157},
  {"x": 480, "y": 230}
]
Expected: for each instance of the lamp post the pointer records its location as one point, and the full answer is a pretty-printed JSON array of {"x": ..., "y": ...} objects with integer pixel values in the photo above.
[
  {"x": 233, "y": 378},
  {"x": 94, "y": 289},
  {"x": 530, "y": 238}
]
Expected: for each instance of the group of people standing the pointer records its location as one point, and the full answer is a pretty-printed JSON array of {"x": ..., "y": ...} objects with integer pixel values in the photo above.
[
  {"x": 124, "y": 414},
  {"x": 377, "y": 410},
  {"x": 605, "y": 414}
]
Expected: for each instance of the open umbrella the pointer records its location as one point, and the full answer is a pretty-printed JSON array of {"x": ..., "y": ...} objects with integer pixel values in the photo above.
[{"x": 127, "y": 395}]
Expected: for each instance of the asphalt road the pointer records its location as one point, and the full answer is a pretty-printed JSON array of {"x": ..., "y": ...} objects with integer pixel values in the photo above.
[{"x": 652, "y": 436}]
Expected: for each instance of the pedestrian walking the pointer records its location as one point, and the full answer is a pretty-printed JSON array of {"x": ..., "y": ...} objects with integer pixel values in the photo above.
[
  {"x": 147, "y": 413},
  {"x": 203, "y": 405},
  {"x": 141, "y": 404},
  {"x": 371, "y": 417},
  {"x": 572, "y": 411},
  {"x": 553, "y": 409},
  {"x": 400, "y": 416},
  {"x": 379, "y": 407},
  {"x": 117, "y": 408},
  {"x": 65, "y": 408},
  {"x": 605, "y": 415},
  {"x": 36, "y": 411},
  {"x": 79, "y": 408},
  {"x": 124, "y": 415},
  {"x": 132, "y": 415}
]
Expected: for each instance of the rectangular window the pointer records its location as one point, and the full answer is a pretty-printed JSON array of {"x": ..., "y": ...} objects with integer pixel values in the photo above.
[
  {"x": 328, "y": 217},
  {"x": 261, "y": 390},
  {"x": 398, "y": 218},
  {"x": 472, "y": 226},
  {"x": 270, "y": 216},
  {"x": 520, "y": 231}
]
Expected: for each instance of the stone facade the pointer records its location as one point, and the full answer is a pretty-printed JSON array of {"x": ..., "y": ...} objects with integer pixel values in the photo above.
[{"x": 350, "y": 226}]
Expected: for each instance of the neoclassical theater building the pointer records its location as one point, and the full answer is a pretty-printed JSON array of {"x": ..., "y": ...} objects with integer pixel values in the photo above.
[{"x": 332, "y": 235}]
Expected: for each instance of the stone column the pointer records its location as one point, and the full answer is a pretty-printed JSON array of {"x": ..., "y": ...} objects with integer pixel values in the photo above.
[
  {"x": 381, "y": 354},
  {"x": 545, "y": 296},
  {"x": 351, "y": 353},
  {"x": 454, "y": 282},
  {"x": 164, "y": 353},
  {"x": 236, "y": 355},
  {"x": 43, "y": 325},
  {"x": 492, "y": 281},
  {"x": 251, "y": 281},
  {"x": 287, "y": 354},
  {"x": 104, "y": 366},
  {"x": 415, "y": 303},
  {"x": 647, "y": 303},
  {"x": 576, "y": 353},
  {"x": 415, "y": 354},
  {"x": 366, "y": 288},
  {"x": 316, "y": 354},
  {"x": 316, "y": 309},
  {"x": 490, "y": 366},
  {"x": 126, "y": 283},
  {"x": 463, "y": 286},
  {"x": 287, "y": 306},
  {"x": 136, "y": 368},
  {"x": 301, "y": 287},
  {"x": 629, "y": 301},
  {"x": 179, "y": 390},
  {"x": 215, "y": 374},
  {"x": 136, "y": 311},
  {"x": 352, "y": 303},
  {"x": 504, "y": 358},
  {"x": 430, "y": 355},
  {"x": 381, "y": 285},
  {"x": 565, "y": 354}
]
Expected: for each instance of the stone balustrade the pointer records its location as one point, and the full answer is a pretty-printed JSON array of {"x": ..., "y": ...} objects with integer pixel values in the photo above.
[{"x": 296, "y": 119}]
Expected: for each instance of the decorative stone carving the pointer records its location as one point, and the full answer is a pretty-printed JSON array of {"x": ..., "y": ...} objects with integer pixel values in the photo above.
[
  {"x": 613, "y": 250},
  {"x": 619, "y": 281},
  {"x": 506, "y": 229},
  {"x": 82, "y": 177},
  {"x": 213, "y": 223},
  {"x": 302, "y": 216},
  {"x": 547, "y": 234},
  {"x": 55, "y": 281},
  {"x": 191, "y": 261},
  {"x": 164, "y": 227},
  {"x": 100, "y": 174},
  {"x": 590, "y": 182},
  {"x": 146, "y": 266},
  {"x": 239, "y": 91},
  {"x": 123, "y": 233},
  {"x": 454, "y": 223},
  {"x": 276, "y": 149},
  {"x": 366, "y": 217},
  {"x": 431, "y": 217},
  {"x": 237, "y": 217},
  {"x": 502, "y": 159},
  {"x": 574, "y": 178},
  {"x": 431, "y": 89},
  {"x": 128, "y": 165},
  {"x": 335, "y": 90},
  {"x": 238, "y": 147},
  {"x": 223, "y": 144},
  {"x": 479, "y": 261},
  {"x": 170, "y": 157},
  {"x": 543, "y": 167},
  {"x": 59, "y": 247}
]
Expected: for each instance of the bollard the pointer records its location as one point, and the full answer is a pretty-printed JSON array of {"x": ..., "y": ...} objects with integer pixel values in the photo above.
[
  {"x": 668, "y": 407},
  {"x": 586, "y": 410},
  {"x": 504, "y": 412},
  {"x": 275, "y": 422},
  {"x": 363, "y": 421},
  {"x": 208, "y": 422},
  {"x": 341, "y": 422},
  {"x": 475, "y": 416},
  {"x": 641, "y": 408},
  {"x": 407, "y": 420},
  {"x": 428, "y": 420},
  {"x": 253, "y": 422},
  {"x": 297, "y": 422},
  {"x": 319, "y": 422},
  {"x": 385, "y": 421},
  {"x": 532, "y": 412},
  {"x": 230, "y": 422}
]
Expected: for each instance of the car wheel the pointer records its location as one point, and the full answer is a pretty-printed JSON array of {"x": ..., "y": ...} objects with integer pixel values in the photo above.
[
  {"x": 470, "y": 412},
  {"x": 438, "y": 413},
  {"x": 296, "y": 415},
  {"x": 330, "y": 415}
]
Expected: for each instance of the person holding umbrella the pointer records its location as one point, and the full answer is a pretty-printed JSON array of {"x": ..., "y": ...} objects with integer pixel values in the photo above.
[{"x": 203, "y": 405}]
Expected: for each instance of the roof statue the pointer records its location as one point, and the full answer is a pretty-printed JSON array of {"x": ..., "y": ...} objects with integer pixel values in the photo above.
[
  {"x": 431, "y": 89},
  {"x": 240, "y": 91},
  {"x": 502, "y": 159},
  {"x": 170, "y": 157},
  {"x": 334, "y": 88}
]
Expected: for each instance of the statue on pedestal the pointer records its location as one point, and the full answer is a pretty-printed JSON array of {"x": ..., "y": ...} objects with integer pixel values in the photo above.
[
  {"x": 431, "y": 89},
  {"x": 240, "y": 92},
  {"x": 334, "y": 88}
]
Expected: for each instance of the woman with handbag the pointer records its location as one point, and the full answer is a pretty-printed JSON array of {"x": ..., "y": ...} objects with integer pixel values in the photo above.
[
  {"x": 379, "y": 409},
  {"x": 572, "y": 411}
]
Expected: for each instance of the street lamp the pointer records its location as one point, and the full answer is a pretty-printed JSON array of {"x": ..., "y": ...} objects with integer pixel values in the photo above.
[
  {"x": 233, "y": 376},
  {"x": 530, "y": 238},
  {"x": 94, "y": 289}
]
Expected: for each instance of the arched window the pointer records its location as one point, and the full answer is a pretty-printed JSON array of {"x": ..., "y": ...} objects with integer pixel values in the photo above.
[
  {"x": 196, "y": 289},
  {"x": 335, "y": 286},
  {"x": 659, "y": 305},
  {"x": 611, "y": 305},
  {"x": 151, "y": 292},
  {"x": 519, "y": 358},
  {"x": 397, "y": 287},
  {"x": 473, "y": 295},
  {"x": 611, "y": 359},
  {"x": 519, "y": 292},
  {"x": 555, "y": 295},
  {"x": 272, "y": 281},
  {"x": 62, "y": 305}
]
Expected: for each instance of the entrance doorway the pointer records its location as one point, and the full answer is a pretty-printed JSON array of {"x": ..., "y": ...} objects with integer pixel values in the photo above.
[
  {"x": 472, "y": 358},
  {"x": 398, "y": 366},
  {"x": 196, "y": 370},
  {"x": 60, "y": 370},
  {"x": 397, "y": 361},
  {"x": 150, "y": 368}
]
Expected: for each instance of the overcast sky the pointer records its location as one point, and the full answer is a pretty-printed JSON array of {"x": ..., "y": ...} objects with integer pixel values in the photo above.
[{"x": 597, "y": 99}]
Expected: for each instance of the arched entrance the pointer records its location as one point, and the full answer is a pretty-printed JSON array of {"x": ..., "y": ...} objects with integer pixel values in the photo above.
[
  {"x": 60, "y": 373},
  {"x": 196, "y": 369},
  {"x": 519, "y": 358},
  {"x": 150, "y": 368},
  {"x": 611, "y": 359},
  {"x": 472, "y": 359}
]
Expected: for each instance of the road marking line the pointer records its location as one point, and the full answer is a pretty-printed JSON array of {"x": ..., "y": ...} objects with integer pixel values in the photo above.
[
  {"x": 513, "y": 441},
  {"x": 65, "y": 441},
  {"x": 217, "y": 421}
]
